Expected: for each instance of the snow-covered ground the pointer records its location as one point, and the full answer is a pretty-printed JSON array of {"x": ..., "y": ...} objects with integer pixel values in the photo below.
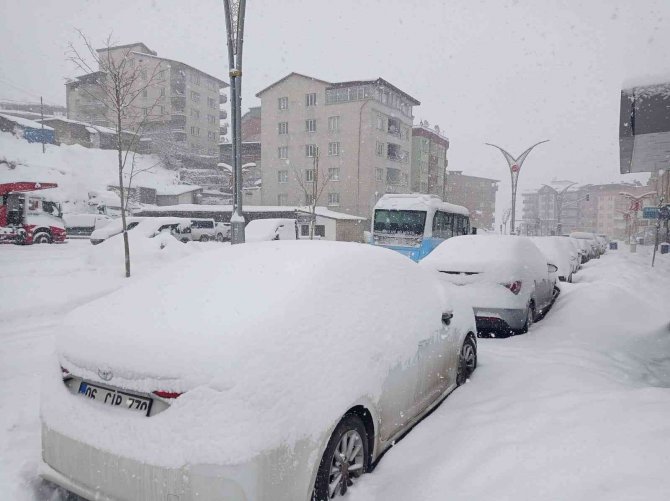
[{"x": 576, "y": 409}]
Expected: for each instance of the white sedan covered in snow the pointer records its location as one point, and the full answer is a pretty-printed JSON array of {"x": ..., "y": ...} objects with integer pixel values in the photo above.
[
  {"x": 506, "y": 279},
  {"x": 283, "y": 377}
]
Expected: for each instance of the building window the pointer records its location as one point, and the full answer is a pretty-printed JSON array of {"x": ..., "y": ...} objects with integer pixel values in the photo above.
[
  {"x": 333, "y": 149},
  {"x": 162, "y": 91},
  {"x": 309, "y": 175},
  {"x": 334, "y": 174},
  {"x": 380, "y": 122},
  {"x": 211, "y": 102},
  {"x": 283, "y": 127},
  {"x": 195, "y": 113},
  {"x": 195, "y": 78},
  {"x": 311, "y": 150},
  {"x": 320, "y": 230},
  {"x": 310, "y": 99},
  {"x": 146, "y": 111},
  {"x": 310, "y": 125},
  {"x": 379, "y": 174},
  {"x": 282, "y": 199},
  {"x": 143, "y": 74},
  {"x": 283, "y": 103},
  {"x": 282, "y": 152},
  {"x": 282, "y": 176},
  {"x": 211, "y": 119},
  {"x": 304, "y": 230},
  {"x": 144, "y": 92},
  {"x": 162, "y": 108},
  {"x": 380, "y": 147},
  {"x": 309, "y": 199},
  {"x": 211, "y": 135},
  {"x": 195, "y": 131},
  {"x": 333, "y": 199},
  {"x": 195, "y": 96},
  {"x": 161, "y": 74},
  {"x": 333, "y": 124}
]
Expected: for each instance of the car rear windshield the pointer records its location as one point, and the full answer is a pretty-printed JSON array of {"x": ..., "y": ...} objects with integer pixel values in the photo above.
[{"x": 407, "y": 222}]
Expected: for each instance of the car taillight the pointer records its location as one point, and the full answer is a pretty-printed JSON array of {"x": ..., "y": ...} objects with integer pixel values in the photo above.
[
  {"x": 167, "y": 394},
  {"x": 514, "y": 287}
]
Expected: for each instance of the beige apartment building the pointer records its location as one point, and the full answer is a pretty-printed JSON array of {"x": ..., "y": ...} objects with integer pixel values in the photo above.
[
  {"x": 429, "y": 160},
  {"x": 180, "y": 109},
  {"x": 361, "y": 132}
]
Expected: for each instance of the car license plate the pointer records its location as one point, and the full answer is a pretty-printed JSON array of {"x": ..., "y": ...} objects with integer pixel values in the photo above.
[{"x": 115, "y": 398}]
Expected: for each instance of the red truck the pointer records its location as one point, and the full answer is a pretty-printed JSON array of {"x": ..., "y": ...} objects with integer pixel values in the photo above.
[{"x": 27, "y": 217}]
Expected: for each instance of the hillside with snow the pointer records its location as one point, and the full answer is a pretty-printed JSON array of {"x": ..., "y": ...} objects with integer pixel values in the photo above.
[{"x": 77, "y": 170}]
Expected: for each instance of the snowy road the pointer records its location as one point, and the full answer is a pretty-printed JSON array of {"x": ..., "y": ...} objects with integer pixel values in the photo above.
[{"x": 576, "y": 409}]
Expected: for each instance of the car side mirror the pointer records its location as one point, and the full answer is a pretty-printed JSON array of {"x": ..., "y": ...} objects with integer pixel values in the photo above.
[
  {"x": 446, "y": 317},
  {"x": 552, "y": 268}
]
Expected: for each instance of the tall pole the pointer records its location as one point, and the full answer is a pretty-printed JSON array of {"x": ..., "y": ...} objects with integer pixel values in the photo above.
[
  {"x": 234, "y": 10},
  {"x": 42, "y": 122},
  {"x": 514, "y": 170}
]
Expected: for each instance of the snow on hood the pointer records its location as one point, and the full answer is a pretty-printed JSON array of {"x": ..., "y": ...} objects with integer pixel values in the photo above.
[
  {"x": 271, "y": 342},
  {"x": 260, "y": 230}
]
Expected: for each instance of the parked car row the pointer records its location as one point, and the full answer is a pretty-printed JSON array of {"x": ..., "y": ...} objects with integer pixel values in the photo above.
[
  {"x": 184, "y": 229},
  {"x": 317, "y": 357}
]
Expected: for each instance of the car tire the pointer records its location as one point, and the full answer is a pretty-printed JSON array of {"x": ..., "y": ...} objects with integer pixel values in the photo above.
[
  {"x": 335, "y": 475},
  {"x": 467, "y": 360},
  {"x": 530, "y": 318},
  {"x": 184, "y": 240},
  {"x": 42, "y": 237},
  {"x": 219, "y": 237},
  {"x": 204, "y": 238}
]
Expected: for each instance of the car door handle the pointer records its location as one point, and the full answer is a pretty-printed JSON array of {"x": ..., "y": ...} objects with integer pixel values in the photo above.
[{"x": 446, "y": 317}]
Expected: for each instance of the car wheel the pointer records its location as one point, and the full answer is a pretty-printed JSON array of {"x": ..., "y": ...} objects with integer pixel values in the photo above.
[
  {"x": 184, "y": 240},
  {"x": 530, "y": 317},
  {"x": 42, "y": 238},
  {"x": 204, "y": 238},
  {"x": 467, "y": 361},
  {"x": 219, "y": 237},
  {"x": 345, "y": 459}
]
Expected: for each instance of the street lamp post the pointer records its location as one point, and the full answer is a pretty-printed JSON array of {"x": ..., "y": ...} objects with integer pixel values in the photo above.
[
  {"x": 514, "y": 169},
  {"x": 234, "y": 10},
  {"x": 558, "y": 197}
]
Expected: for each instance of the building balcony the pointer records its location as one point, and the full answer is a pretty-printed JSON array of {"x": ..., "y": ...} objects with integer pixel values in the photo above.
[
  {"x": 179, "y": 135},
  {"x": 223, "y": 98},
  {"x": 178, "y": 101},
  {"x": 223, "y": 114}
]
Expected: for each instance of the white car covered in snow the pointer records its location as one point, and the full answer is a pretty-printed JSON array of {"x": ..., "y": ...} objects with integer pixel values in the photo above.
[
  {"x": 555, "y": 250},
  {"x": 262, "y": 230},
  {"x": 505, "y": 278},
  {"x": 112, "y": 228},
  {"x": 271, "y": 384}
]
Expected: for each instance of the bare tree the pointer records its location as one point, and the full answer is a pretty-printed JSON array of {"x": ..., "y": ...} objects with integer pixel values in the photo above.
[
  {"x": 312, "y": 186},
  {"x": 115, "y": 84}
]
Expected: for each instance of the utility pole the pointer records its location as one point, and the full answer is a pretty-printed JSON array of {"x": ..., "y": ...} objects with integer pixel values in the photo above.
[
  {"x": 42, "y": 122},
  {"x": 514, "y": 169},
  {"x": 234, "y": 10}
]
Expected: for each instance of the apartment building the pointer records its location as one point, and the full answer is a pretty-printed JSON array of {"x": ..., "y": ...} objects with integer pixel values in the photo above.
[
  {"x": 179, "y": 110},
  {"x": 359, "y": 133},
  {"x": 429, "y": 160},
  {"x": 477, "y": 194}
]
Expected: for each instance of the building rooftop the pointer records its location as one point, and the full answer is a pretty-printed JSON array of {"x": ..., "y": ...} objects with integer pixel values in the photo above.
[
  {"x": 224, "y": 84},
  {"x": 128, "y": 46}
]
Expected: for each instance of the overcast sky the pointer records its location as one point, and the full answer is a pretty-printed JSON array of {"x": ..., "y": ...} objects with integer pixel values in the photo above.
[{"x": 511, "y": 72}]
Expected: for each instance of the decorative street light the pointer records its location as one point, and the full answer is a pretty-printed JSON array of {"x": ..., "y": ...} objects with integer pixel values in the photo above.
[
  {"x": 234, "y": 10},
  {"x": 558, "y": 197},
  {"x": 514, "y": 169},
  {"x": 633, "y": 209}
]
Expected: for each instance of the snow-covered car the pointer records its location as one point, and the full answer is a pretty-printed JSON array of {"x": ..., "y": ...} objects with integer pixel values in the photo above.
[
  {"x": 179, "y": 227},
  {"x": 556, "y": 252},
  {"x": 589, "y": 242},
  {"x": 83, "y": 225},
  {"x": 261, "y": 230},
  {"x": 284, "y": 380},
  {"x": 505, "y": 278},
  {"x": 204, "y": 230},
  {"x": 114, "y": 227}
]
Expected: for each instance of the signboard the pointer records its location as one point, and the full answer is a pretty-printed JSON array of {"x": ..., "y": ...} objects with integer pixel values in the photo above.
[
  {"x": 304, "y": 217},
  {"x": 656, "y": 213}
]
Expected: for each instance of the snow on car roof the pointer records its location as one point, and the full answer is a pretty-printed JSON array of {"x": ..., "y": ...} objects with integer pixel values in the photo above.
[
  {"x": 264, "y": 229},
  {"x": 486, "y": 254},
  {"x": 418, "y": 202},
  {"x": 249, "y": 333}
]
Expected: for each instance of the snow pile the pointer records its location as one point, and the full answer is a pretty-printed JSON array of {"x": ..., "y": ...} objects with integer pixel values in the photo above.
[
  {"x": 270, "y": 342},
  {"x": 261, "y": 230},
  {"x": 76, "y": 169}
]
